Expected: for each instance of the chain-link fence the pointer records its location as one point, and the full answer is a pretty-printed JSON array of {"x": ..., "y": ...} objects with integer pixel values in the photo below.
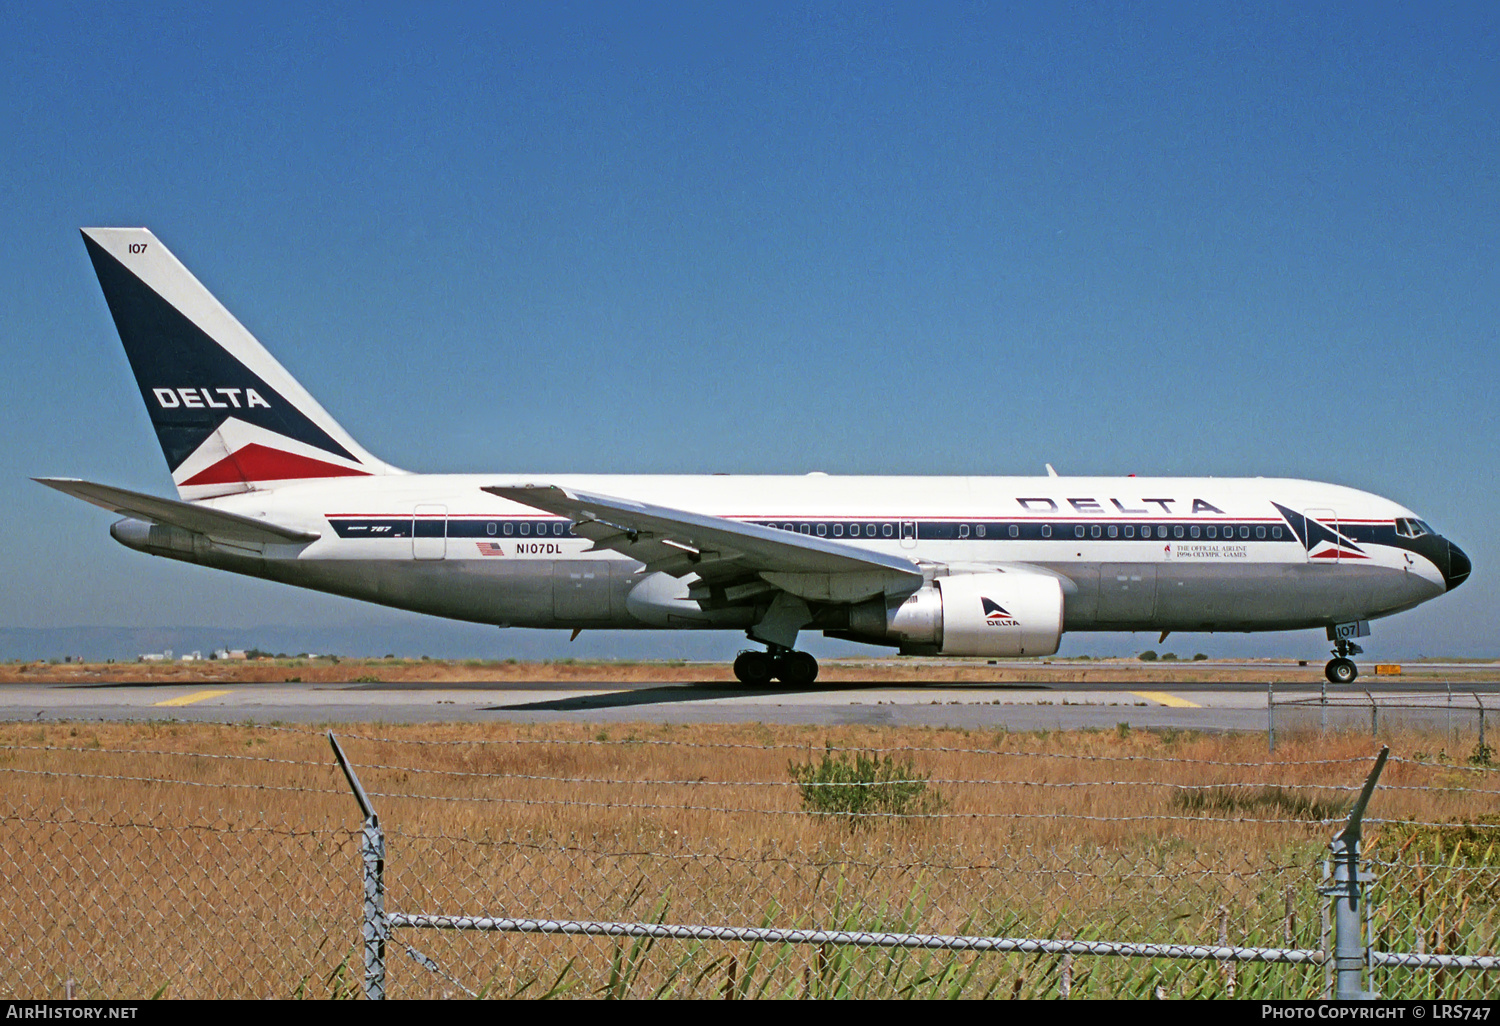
[
  {"x": 1455, "y": 722},
  {"x": 224, "y": 861}
]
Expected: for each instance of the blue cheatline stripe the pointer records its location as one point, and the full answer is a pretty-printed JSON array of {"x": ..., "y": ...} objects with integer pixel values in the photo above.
[{"x": 856, "y": 529}]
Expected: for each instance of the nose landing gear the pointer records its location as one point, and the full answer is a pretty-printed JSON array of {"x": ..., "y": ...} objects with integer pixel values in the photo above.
[
  {"x": 1341, "y": 669},
  {"x": 757, "y": 669}
]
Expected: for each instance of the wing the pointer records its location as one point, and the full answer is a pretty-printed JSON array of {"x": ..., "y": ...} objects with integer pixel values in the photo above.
[
  {"x": 186, "y": 515},
  {"x": 731, "y": 559}
]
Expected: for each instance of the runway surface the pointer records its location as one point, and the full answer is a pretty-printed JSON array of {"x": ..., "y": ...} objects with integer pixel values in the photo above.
[{"x": 1236, "y": 706}]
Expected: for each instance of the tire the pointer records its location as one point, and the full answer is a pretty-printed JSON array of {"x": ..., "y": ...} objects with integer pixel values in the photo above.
[
  {"x": 1341, "y": 671},
  {"x": 754, "y": 668},
  {"x": 797, "y": 669}
]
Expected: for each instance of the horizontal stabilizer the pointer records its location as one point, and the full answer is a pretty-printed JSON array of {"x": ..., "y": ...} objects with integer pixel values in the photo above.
[{"x": 186, "y": 515}]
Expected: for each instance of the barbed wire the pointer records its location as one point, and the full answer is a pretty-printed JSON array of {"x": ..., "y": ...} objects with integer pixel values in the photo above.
[
  {"x": 1426, "y": 823},
  {"x": 703, "y": 782},
  {"x": 73, "y": 818},
  {"x": 1467, "y": 767},
  {"x": 840, "y": 859},
  {"x": 731, "y": 810},
  {"x": 319, "y": 763},
  {"x": 818, "y": 814},
  {"x": 903, "y": 749},
  {"x": 779, "y": 746},
  {"x": 172, "y": 780}
]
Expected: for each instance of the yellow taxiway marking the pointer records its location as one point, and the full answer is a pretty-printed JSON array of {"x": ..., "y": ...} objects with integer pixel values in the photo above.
[
  {"x": 196, "y": 696},
  {"x": 1165, "y": 699}
]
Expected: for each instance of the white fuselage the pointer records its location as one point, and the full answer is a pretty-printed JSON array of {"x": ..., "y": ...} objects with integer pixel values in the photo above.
[{"x": 1132, "y": 553}]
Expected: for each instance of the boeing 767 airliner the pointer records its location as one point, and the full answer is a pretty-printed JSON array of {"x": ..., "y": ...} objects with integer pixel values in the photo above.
[{"x": 270, "y": 485}]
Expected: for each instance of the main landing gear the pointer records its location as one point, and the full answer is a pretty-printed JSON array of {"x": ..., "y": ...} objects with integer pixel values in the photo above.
[
  {"x": 1341, "y": 669},
  {"x": 758, "y": 669}
]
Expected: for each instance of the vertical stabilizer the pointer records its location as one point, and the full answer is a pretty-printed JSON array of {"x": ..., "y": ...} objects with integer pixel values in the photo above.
[{"x": 228, "y": 416}]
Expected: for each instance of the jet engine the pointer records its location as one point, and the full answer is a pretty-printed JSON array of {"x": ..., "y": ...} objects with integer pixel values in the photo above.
[{"x": 1005, "y": 613}]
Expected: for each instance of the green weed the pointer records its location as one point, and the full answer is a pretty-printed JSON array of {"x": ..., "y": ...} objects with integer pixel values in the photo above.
[{"x": 863, "y": 783}]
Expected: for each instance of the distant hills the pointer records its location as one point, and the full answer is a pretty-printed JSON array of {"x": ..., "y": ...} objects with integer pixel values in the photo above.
[{"x": 440, "y": 639}]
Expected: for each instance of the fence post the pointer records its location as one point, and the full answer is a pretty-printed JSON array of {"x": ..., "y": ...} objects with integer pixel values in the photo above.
[
  {"x": 1374, "y": 715},
  {"x": 1349, "y": 955},
  {"x": 375, "y": 927},
  {"x": 1323, "y": 707},
  {"x": 1270, "y": 717}
]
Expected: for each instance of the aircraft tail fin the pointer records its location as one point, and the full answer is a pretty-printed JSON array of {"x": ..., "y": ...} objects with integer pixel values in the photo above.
[{"x": 229, "y": 417}]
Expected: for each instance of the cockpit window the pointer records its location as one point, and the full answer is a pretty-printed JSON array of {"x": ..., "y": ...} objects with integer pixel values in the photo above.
[{"x": 1411, "y": 527}]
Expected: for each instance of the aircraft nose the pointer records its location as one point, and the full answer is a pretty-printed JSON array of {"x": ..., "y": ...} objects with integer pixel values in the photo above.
[{"x": 1458, "y": 567}]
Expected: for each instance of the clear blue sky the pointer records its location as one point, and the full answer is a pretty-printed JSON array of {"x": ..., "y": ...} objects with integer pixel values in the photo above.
[{"x": 952, "y": 239}]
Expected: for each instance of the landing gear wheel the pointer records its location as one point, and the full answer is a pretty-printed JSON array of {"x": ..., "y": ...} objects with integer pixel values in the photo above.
[
  {"x": 797, "y": 669},
  {"x": 754, "y": 668},
  {"x": 1341, "y": 671}
]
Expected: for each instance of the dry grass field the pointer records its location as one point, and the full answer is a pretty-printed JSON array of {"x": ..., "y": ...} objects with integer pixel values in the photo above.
[{"x": 200, "y": 860}]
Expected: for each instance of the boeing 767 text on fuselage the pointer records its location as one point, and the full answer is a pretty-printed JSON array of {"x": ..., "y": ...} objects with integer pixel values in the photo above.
[{"x": 271, "y": 486}]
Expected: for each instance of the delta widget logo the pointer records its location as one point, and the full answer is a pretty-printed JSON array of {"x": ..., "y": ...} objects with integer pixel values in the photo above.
[
  {"x": 1322, "y": 541},
  {"x": 996, "y": 615}
]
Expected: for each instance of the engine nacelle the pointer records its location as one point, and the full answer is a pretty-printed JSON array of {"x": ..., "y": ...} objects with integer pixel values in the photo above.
[{"x": 1007, "y": 613}]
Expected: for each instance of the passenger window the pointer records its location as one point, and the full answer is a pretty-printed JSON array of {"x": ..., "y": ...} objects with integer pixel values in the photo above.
[
  {"x": 885, "y": 530},
  {"x": 1193, "y": 531},
  {"x": 963, "y": 530},
  {"x": 1260, "y": 532},
  {"x": 508, "y": 528},
  {"x": 806, "y": 529},
  {"x": 1094, "y": 531},
  {"x": 854, "y": 530},
  {"x": 1275, "y": 532},
  {"x": 1161, "y": 532},
  {"x": 1046, "y": 530},
  {"x": 1129, "y": 531},
  {"x": 1114, "y": 532},
  {"x": 1244, "y": 532},
  {"x": 822, "y": 530},
  {"x": 838, "y": 530},
  {"x": 869, "y": 530},
  {"x": 489, "y": 529},
  {"x": 1015, "y": 532},
  {"x": 979, "y": 530},
  {"x": 1078, "y": 531},
  {"x": 1213, "y": 532},
  {"x": 1177, "y": 531},
  {"x": 525, "y": 528}
]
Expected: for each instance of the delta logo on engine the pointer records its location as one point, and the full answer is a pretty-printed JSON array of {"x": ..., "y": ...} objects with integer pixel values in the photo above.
[{"x": 995, "y": 615}]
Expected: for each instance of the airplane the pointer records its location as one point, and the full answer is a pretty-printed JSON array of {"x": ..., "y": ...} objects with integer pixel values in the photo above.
[{"x": 269, "y": 485}]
